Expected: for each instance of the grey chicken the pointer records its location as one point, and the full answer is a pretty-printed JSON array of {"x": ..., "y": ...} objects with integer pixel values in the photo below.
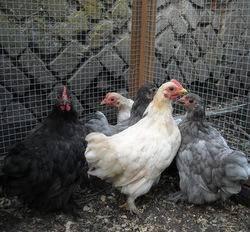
[{"x": 208, "y": 169}]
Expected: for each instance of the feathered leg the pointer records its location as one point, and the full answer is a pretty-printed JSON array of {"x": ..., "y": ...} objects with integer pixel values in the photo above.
[{"x": 72, "y": 208}]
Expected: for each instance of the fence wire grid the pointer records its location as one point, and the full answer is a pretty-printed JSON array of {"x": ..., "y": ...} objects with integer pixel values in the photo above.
[
  {"x": 205, "y": 45},
  {"x": 85, "y": 44}
]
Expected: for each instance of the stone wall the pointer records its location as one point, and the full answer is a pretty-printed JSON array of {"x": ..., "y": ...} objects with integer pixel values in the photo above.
[
  {"x": 205, "y": 43},
  {"x": 86, "y": 44},
  {"x": 44, "y": 44}
]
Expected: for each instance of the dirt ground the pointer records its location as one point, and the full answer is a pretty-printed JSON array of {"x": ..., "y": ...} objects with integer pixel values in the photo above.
[{"x": 99, "y": 211}]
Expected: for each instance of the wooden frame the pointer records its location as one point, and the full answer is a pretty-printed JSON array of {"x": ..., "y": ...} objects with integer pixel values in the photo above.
[{"x": 142, "y": 42}]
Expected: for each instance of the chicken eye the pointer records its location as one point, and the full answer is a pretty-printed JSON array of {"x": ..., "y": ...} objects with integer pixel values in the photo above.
[
  {"x": 153, "y": 90},
  {"x": 171, "y": 88},
  {"x": 191, "y": 101},
  {"x": 112, "y": 99}
]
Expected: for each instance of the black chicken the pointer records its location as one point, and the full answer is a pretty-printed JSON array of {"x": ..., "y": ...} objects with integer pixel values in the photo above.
[
  {"x": 209, "y": 170},
  {"x": 144, "y": 96},
  {"x": 45, "y": 168}
]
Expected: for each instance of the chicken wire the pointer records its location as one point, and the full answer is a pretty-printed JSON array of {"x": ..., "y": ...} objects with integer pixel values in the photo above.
[
  {"x": 205, "y": 45},
  {"x": 85, "y": 44}
]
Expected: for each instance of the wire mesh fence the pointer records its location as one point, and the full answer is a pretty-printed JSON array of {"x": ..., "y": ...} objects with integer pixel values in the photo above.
[
  {"x": 85, "y": 44},
  {"x": 205, "y": 45}
]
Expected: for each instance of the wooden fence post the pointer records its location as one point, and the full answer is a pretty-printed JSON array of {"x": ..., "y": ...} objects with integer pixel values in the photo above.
[{"x": 142, "y": 42}]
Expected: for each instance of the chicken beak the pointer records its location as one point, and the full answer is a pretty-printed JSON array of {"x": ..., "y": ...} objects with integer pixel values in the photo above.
[
  {"x": 103, "y": 102},
  {"x": 181, "y": 101},
  {"x": 183, "y": 91}
]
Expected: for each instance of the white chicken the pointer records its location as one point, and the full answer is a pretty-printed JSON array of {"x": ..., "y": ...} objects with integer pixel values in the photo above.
[
  {"x": 134, "y": 159},
  {"x": 122, "y": 103}
]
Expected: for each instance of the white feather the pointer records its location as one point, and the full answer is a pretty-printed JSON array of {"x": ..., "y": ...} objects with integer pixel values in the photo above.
[
  {"x": 124, "y": 110},
  {"x": 134, "y": 159}
]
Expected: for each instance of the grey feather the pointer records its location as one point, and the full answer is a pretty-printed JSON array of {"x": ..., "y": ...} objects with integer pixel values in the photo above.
[
  {"x": 100, "y": 123},
  {"x": 209, "y": 170}
]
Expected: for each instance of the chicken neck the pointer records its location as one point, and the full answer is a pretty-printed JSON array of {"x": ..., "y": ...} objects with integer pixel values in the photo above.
[{"x": 160, "y": 108}]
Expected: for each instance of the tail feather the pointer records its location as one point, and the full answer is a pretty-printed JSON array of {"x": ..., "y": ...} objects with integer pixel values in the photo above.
[
  {"x": 237, "y": 171},
  {"x": 237, "y": 166},
  {"x": 101, "y": 157}
]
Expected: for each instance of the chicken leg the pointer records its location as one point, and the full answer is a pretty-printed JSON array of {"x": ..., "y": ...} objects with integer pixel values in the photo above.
[
  {"x": 177, "y": 197},
  {"x": 131, "y": 205}
]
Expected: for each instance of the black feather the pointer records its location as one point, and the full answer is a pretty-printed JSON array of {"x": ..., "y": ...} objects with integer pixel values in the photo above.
[{"x": 45, "y": 168}]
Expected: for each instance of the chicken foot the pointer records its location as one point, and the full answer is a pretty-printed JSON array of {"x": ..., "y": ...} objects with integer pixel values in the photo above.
[
  {"x": 72, "y": 208},
  {"x": 177, "y": 197},
  {"x": 130, "y": 205},
  {"x": 125, "y": 205}
]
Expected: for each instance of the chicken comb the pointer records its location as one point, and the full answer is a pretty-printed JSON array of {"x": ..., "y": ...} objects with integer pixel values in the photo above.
[
  {"x": 107, "y": 94},
  {"x": 64, "y": 93},
  {"x": 177, "y": 83},
  {"x": 110, "y": 93}
]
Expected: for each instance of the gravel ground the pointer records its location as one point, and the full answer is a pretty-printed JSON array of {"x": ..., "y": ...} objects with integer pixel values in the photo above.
[
  {"x": 99, "y": 206},
  {"x": 99, "y": 211}
]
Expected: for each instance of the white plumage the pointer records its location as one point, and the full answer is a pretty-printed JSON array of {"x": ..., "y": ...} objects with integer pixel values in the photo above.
[
  {"x": 124, "y": 109},
  {"x": 134, "y": 159},
  {"x": 123, "y": 105}
]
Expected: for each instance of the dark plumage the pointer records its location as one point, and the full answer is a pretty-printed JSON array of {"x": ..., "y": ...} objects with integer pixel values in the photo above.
[
  {"x": 244, "y": 196},
  {"x": 209, "y": 170},
  {"x": 144, "y": 96},
  {"x": 45, "y": 168}
]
